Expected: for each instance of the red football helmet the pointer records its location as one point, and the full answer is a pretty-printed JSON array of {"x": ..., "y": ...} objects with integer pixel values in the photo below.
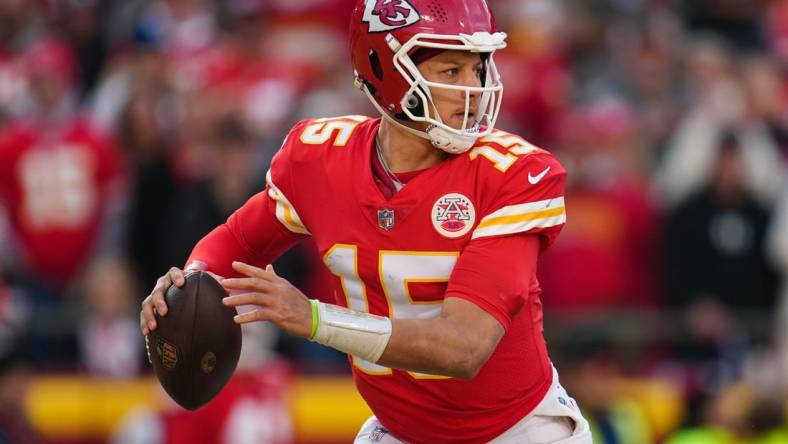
[{"x": 385, "y": 34}]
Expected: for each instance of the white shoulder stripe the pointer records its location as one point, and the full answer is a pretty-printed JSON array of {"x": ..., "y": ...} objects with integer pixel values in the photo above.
[
  {"x": 520, "y": 227},
  {"x": 521, "y": 218},
  {"x": 529, "y": 207},
  {"x": 285, "y": 212}
]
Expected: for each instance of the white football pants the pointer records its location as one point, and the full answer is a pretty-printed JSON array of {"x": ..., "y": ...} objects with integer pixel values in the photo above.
[{"x": 555, "y": 420}]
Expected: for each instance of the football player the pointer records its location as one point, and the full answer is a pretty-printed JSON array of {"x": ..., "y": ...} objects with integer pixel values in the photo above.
[{"x": 431, "y": 221}]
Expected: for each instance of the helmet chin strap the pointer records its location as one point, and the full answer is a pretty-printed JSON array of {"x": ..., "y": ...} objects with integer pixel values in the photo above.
[
  {"x": 439, "y": 137},
  {"x": 449, "y": 142}
]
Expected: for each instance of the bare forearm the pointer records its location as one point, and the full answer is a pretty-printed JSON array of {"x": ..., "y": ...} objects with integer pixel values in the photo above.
[{"x": 437, "y": 347}]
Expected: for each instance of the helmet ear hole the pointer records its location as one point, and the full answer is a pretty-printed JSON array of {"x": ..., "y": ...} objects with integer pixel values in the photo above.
[
  {"x": 412, "y": 101},
  {"x": 374, "y": 62},
  {"x": 415, "y": 104}
]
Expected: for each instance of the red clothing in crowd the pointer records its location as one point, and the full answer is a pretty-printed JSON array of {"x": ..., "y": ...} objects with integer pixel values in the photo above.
[{"x": 56, "y": 183}]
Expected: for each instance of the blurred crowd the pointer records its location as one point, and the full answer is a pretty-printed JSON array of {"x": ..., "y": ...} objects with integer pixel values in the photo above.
[{"x": 129, "y": 129}]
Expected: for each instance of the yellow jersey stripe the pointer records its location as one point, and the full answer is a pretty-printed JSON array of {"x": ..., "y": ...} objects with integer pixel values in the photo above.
[
  {"x": 285, "y": 212},
  {"x": 288, "y": 216},
  {"x": 528, "y": 207},
  {"x": 519, "y": 227},
  {"x": 516, "y": 218}
]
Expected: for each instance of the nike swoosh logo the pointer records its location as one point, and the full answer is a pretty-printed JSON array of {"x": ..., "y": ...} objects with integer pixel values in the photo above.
[{"x": 533, "y": 180}]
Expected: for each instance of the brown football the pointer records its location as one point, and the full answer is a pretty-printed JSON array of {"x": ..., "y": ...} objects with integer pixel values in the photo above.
[{"x": 195, "y": 348}]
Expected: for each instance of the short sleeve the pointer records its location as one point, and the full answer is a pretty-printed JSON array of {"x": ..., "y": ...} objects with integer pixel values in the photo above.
[
  {"x": 495, "y": 273},
  {"x": 529, "y": 200}
]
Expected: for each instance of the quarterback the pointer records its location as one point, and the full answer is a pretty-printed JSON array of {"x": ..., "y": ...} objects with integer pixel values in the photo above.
[{"x": 431, "y": 221}]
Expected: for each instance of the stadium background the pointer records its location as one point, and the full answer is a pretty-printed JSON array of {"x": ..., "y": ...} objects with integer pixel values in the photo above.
[{"x": 129, "y": 128}]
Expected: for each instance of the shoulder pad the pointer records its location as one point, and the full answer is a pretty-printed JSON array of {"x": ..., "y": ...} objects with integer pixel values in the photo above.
[
  {"x": 504, "y": 150},
  {"x": 326, "y": 132}
]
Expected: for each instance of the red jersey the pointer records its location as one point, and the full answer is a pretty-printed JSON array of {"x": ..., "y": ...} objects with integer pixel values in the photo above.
[
  {"x": 56, "y": 184},
  {"x": 453, "y": 231}
]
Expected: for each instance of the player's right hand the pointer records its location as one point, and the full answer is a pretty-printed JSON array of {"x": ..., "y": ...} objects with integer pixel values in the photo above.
[{"x": 154, "y": 303}]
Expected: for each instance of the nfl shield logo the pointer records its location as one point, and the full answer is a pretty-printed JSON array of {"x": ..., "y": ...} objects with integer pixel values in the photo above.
[{"x": 386, "y": 219}]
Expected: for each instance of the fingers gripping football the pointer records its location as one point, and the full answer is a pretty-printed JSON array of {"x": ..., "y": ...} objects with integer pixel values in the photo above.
[
  {"x": 276, "y": 299},
  {"x": 154, "y": 303}
]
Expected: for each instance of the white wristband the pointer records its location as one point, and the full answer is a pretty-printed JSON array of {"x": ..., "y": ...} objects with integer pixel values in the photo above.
[{"x": 353, "y": 332}]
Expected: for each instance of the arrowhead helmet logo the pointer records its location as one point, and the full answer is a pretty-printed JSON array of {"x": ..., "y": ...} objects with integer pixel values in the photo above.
[{"x": 386, "y": 15}]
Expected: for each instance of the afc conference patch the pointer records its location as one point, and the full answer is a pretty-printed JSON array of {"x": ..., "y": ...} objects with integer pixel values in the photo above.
[{"x": 453, "y": 215}]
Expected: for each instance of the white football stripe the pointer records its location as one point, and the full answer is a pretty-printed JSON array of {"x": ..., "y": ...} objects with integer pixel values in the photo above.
[
  {"x": 520, "y": 227},
  {"x": 285, "y": 212}
]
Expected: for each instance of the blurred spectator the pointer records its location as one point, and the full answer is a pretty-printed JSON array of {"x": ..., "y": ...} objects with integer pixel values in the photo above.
[
  {"x": 610, "y": 247},
  {"x": 716, "y": 272},
  {"x": 231, "y": 170},
  {"x": 650, "y": 57},
  {"x": 539, "y": 99},
  {"x": 82, "y": 24},
  {"x": 59, "y": 177},
  {"x": 61, "y": 183},
  {"x": 715, "y": 240},
  {"x": 109, "y": 331},
  {"x": 591, "y": 60},
  {"x": 147, "y": 146},
  {"x": 738, "y": 414},
  {"x": 719, "y": 104},
  {"x": 51, "y": 68},
  {"x": 15, "y": 379}
]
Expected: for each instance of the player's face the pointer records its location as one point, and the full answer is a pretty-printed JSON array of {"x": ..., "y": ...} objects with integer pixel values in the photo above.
[{"x": 458, "y": 68}]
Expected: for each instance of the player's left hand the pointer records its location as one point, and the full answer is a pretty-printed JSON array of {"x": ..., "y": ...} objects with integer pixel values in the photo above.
[{"x": 277, "y": 300}]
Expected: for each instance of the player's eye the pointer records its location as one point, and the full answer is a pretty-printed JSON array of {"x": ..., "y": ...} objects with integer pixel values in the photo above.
[{"x": 453, "y": 72}]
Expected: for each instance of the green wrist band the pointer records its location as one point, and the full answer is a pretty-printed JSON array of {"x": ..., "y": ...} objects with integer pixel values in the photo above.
[{"x": 315, "y": 318}]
